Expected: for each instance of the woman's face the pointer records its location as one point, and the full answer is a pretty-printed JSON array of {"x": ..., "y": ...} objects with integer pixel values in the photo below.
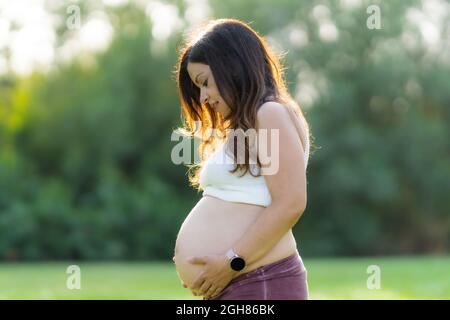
[{"x": 202, "y": 77}]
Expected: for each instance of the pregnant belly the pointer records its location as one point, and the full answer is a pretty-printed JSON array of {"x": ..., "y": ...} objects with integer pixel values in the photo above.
[{"x": 212, "y": 227}]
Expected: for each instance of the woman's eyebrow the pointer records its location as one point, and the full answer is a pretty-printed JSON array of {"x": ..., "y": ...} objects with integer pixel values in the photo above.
[{"x": 197, "y": 77}]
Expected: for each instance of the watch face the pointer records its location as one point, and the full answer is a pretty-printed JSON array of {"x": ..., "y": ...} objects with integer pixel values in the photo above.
[{"x": 237, "y": 264}]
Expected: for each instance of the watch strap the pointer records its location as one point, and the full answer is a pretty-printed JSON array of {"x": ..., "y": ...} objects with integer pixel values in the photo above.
[{"x": 231, "y": 254}]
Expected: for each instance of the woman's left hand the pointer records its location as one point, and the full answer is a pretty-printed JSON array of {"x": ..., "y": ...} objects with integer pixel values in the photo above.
[{"x": 214, "y": 277}]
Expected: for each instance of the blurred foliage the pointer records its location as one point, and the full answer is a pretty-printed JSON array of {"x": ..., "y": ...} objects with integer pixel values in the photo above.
[{"x": 85, "y": 167}]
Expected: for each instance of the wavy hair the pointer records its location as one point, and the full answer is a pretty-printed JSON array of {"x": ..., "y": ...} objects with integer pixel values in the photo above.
[{"x": 247, "y": 73}]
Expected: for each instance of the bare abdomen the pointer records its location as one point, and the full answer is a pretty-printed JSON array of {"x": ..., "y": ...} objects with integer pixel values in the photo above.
[{"x": 214, "y": 226}]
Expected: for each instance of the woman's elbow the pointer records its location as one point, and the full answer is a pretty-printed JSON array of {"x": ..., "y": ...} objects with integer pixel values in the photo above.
[
  {"x": 296, "y": 205},
  {"x": 299, "y": 208}
]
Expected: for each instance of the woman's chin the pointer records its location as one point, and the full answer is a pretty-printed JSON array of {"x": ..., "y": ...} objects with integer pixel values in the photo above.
[{"x": 222, "y": 114}]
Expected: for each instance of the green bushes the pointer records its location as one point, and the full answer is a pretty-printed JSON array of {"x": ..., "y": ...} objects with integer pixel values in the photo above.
[{"x": 117, "y": 220}]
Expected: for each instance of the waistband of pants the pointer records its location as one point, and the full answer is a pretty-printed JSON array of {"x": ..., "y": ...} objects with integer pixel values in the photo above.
[{"x": 288, "y": 264}]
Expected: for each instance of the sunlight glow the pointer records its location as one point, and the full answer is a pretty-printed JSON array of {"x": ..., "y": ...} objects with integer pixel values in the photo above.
[
  {"x": 164, "y": 18},
  {"x": 430, "y": 22},
  {"x": 32, "y": 46},
  {"x": 309, "y": 85},
  {"x": 4, "y": 32},
  {"x": 115, "y": 3},
  {"x": 31, "y": 43},
  {"x": 321, "y": 12},
  {"x": 328, "y": 31},
  {"x": 97, "y": 33},
  {"x": 350, "y": 4},
  {"x": 298, "y": 37},
  {"x": 196, "y": 11}
]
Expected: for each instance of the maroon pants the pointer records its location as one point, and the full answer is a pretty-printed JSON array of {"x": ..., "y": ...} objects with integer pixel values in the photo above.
[{"x": 285, "y": 279}]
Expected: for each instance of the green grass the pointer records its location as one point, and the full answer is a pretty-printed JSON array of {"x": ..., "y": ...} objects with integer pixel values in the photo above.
[{"x": 334, "y": 278}]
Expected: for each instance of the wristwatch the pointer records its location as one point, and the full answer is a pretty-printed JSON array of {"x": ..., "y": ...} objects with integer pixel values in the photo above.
[{"x": 237, "y": 263}]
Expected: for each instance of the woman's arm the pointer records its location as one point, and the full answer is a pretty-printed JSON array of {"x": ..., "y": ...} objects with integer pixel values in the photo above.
[{"x": 287, "y": 185}]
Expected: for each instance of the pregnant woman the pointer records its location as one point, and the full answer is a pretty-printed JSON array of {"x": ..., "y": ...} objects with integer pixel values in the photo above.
[{"x": 237, "y": 241}]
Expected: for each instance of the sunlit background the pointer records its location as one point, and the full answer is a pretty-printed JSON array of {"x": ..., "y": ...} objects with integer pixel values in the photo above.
[{"x": 88, "y": 102}]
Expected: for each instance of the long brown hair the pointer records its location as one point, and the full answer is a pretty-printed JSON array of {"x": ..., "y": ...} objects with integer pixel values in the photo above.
[{"x": 247, "y": 73}]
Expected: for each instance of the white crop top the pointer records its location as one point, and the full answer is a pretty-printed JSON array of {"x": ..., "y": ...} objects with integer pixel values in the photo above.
[{"x": 216, "y": 180}]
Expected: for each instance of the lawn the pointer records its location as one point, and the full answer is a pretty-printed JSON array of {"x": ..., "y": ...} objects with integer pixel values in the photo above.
[{"x": 334, "y": 278}]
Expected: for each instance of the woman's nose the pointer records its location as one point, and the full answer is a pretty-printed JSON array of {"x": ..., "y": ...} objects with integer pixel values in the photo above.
[{"x": 204, "y": 98}]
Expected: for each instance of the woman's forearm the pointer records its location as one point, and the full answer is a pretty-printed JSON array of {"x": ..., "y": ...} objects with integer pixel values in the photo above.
[{"x": 268, "y": 229}]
